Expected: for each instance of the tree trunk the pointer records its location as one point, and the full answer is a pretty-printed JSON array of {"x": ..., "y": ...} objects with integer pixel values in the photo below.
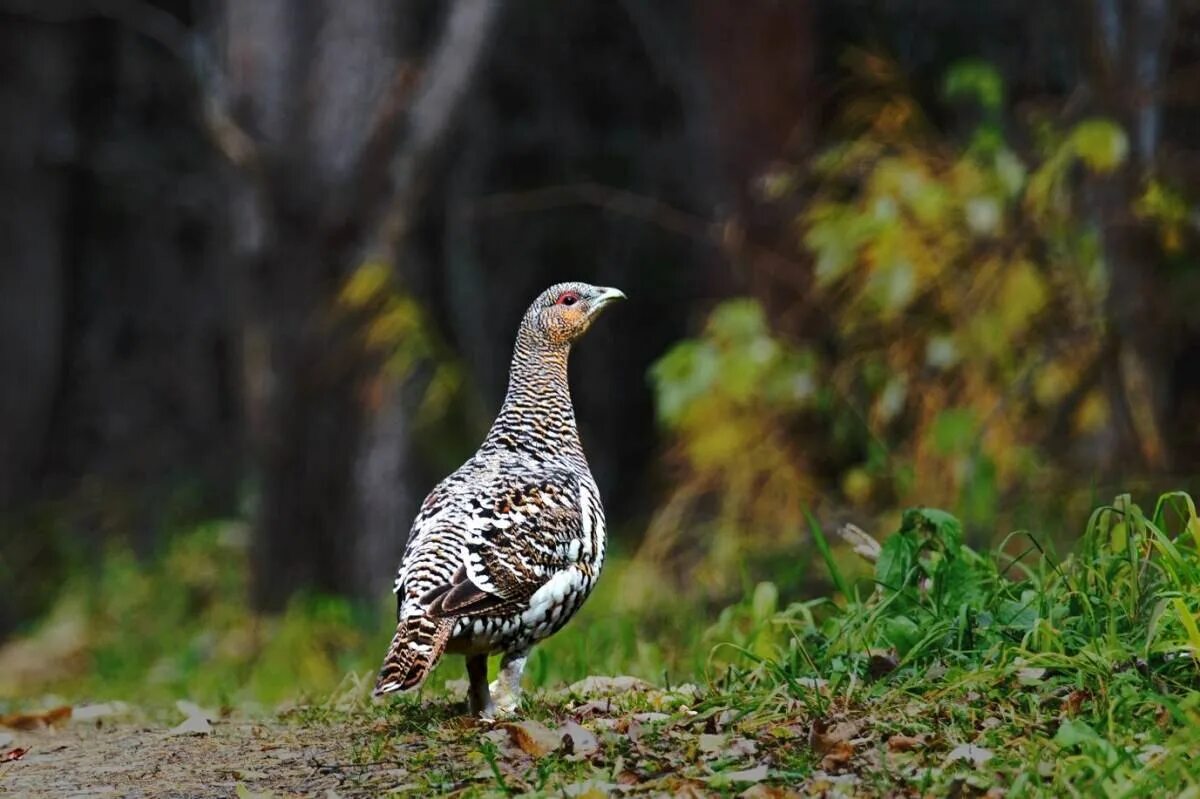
[{"x": 337, "y": 181}]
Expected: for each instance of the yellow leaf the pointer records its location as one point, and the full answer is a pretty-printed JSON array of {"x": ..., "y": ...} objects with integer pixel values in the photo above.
[{"x": 365, "y": 284}]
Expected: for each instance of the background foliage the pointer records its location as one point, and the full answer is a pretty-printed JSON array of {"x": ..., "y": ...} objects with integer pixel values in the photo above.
[{"x": 265, "y": 270}]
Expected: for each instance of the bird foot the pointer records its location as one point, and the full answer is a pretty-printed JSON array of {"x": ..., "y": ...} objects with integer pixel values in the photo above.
[{"x": 504, "y": 700}]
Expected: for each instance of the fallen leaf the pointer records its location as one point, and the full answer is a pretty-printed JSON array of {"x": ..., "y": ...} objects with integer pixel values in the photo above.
[
  {"x": 90, "y": 712},
  {"x": 197, "y": 721},
  {"x": 1030, "y": 676},
  {"x": 595, "y": 707},
  {"x": 837, "y": 755},
  {"x": 905, "y": 743},
  {"x": 36, "y": 721},
  {"x": 815, "y": 683},
  {"x": 650, "y": 717},
  {"x": 193, "y": 725},
  {"x": 724, "y": 746},
  {"x": 13, "y": 754},
  {"x": 590, "y": 789},
  {"x": 578, "y": 742},
  {"x": 606, "y": 686},
  {"x": 762, "y": 791},
  {"x": 756, "y": 774},
  {"x": 1074, "y": 702},
  {"x": 970, "y": 752},
  {"x": 533, "y": 738},
  {"x": 833, "y": 742}
]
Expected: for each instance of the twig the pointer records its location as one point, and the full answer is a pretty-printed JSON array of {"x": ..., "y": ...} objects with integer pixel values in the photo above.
[{"x": 726, "y": 236}]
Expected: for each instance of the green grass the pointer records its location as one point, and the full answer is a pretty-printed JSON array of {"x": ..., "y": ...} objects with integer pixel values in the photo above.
[{"x": 948, "y": 671}]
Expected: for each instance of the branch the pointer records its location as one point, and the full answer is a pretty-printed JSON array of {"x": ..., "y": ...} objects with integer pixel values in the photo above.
[
  {"x": 440, "y": 93},
  {"x": 727, "y": 237}
]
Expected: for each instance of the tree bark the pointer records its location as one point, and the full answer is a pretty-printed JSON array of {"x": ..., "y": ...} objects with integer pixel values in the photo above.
[{"x": 343, "y": 172}]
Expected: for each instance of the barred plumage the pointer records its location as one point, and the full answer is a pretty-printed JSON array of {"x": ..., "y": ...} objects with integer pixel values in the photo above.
[{"x": 505, "y": 550}]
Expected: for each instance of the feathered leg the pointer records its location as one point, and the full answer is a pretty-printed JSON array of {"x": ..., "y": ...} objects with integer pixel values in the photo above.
[
  {"x": 506, "y": 689},
  {"x": 416, "y": 647}
]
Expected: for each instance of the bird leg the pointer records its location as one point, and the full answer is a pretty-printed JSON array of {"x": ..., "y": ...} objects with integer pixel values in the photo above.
[
  {"x": 507, "y": 686},
  {"x": 479, "y": 700}
]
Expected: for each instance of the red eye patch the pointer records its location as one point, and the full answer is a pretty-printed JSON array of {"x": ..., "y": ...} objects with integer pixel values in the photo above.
[{"x": 567, "y": 298}]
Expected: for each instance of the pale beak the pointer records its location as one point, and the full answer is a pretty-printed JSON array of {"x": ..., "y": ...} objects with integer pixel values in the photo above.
[{"x": 604, "y": 296}]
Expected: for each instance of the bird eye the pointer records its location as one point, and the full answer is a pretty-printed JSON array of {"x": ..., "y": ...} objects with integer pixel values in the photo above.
[{"x": 567, "y": 298}]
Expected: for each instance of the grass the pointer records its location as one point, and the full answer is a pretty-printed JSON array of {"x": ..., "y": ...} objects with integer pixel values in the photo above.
[{"x": 949, "y": 671}]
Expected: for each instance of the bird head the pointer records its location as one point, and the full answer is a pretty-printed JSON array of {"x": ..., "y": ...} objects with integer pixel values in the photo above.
[{"x": 564, "y": 312}]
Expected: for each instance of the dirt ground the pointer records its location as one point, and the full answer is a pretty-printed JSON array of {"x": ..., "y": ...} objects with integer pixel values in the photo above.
[
  {"x": 236, "y": 758},
  {"x": 600, "y": 737}
]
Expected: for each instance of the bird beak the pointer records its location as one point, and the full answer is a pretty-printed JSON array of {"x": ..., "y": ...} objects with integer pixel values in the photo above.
[{"x": 604, "y": 296}]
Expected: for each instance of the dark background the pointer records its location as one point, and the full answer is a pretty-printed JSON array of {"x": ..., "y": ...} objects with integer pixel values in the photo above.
[{"x": 186, "y": 189}]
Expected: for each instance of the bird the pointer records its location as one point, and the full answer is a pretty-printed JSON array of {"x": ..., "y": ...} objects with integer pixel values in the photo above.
[{"x": 505, "y": 550}]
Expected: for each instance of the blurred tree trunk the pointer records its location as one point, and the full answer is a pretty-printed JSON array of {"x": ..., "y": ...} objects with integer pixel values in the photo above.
[
  {"x": 120, "y": 311},
  {"x": 1128, "y": 48},
  {"x": 38, "y": 68},
  {"x": 339, "y": 167},
  {"x": 37, "y": 63},
  {"x": 118, "y": 384}
]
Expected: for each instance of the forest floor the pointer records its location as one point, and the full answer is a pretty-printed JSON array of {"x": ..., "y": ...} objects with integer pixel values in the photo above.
[
  {"x": 599, "y": 737},
  {"x": 609, "y": 736},
  {"x": 952, "y": 673}
]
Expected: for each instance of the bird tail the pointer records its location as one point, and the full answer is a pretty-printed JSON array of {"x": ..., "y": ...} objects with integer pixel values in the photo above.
[{"x": 416, "y": 647}]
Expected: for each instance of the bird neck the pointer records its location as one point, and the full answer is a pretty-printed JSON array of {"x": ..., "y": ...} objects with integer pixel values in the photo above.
[{"x": 537, "y": 409}]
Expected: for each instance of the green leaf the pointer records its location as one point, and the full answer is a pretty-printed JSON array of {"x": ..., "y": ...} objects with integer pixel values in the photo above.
[
  {"x": 737, "y": 321},
  {"x": 1073, "y": 732},
  {"x": 977, "y": 80},
  {"x": 941, "y": 527},
  {"x": 954, "y": 431},
  {"x": 681, "y": 377},
  {"x": 896, "y": 559},
  {"x": 1099, "y": 143},
  {"x": 901, "y": 632}
]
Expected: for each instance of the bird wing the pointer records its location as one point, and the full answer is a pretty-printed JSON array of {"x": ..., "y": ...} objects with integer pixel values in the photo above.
[{"x": 523, "y": 535}]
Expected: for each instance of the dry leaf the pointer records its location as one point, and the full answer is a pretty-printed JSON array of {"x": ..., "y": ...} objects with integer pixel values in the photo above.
[
  {"x": 905, "y": 743},
  {"x": 590, "y": 789},
  {"x": 761, "y": 791},
  {"x": 970, "y": 752},
  {"x": 533, "y": 738},
  {"x": 1074, "y": 702},
  {"x": 607, "y": 686},
  {"x": 36, "y": 721},
  {"x": 13, "y": 754},
  {"x": 90, "y": 712},
  {"x": 755, "y": 774},
  {"x": 833, "y": 741},
  {"x": 578, "y": 742},
  {"x": 837, "y": 755},
  {"x": 197, "y": 721},
  {"x": 193, "y": 725},
  {"x": 767, "y": 792},
  {"x": 1030, "y": 675}
]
